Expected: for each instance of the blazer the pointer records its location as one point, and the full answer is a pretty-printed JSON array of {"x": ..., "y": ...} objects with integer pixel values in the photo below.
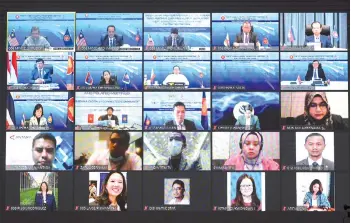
[
  {"x": 117, "y": 41},
  {"x": 309, "y": 74},
  {"x": 114, "y": 117},
  {"x": 50, "y": 200},
  {"x": 189, "y": 125},
  {"x": 322, "y": 200},
  {"x": 111, "y": 82},
  {"x": 185, "y": 163},
  {"x": 179, "y": 40},
  {"x": 338, "y": 122},
  {"x": 327, "y": 164},
  {"x": 252, "y": 39},
  {"x": 255, "y": 122},
  {"x": 325, "y": 41},
  {"x": 33, "y": 122},
  {"x": 46, "y": 76}
]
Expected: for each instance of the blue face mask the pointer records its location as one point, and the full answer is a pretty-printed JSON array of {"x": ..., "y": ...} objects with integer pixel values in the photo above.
[{"x": 175, "y": 147}]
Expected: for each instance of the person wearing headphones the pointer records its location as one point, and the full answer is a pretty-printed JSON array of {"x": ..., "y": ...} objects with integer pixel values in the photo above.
[
  {"x": 246, "y": 35},
  {"x": 116, "y": 156},
  {"x": 107, "y": 80},
  {"x": 178, "y": 160},
  {"x": 111, "y": 39},
  {"x": 251, "y": 155}
]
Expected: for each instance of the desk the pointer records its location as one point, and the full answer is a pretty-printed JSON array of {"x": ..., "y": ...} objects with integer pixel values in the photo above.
[
  {"x": 330, "y": 49},
  {"x": 306, "y": 85}
]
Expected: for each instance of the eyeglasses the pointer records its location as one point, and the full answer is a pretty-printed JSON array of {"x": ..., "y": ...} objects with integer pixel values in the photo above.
[
  {"x": 246, "y": 186},
  {"x": 321, "y": 105}
]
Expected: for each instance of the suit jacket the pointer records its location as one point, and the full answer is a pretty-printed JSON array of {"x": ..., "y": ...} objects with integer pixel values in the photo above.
[
  {"x": 327, "y": 164},
  {"x": 338, "y": 122},
  {"x": 114, "y": 117},
  {"x": 309, "y": 74},
  {"x": 50, "y": 200},
  {"x": 103, "y": 82},
  {"x": 189, "y": 125},
  {"x": 33, "y": 122},
  {"x": 255, "y": 122},
  {"x": 46, "y": 76},
  {"x": 118, "y": 41},
  {"x": 179, "y": 40},
  {"x": 252, "y": 39},
  {"x": 185, "y": 164},
  {"x": 325, "y": 41}
]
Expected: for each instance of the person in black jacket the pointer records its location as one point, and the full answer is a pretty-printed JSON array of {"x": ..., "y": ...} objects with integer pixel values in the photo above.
[
  {"x": 111, "y": 39},
  {"x": 44, "y": 197},
  {"x": 179, "y": 118},
  {"x": 109, "y": 116},
  {"x": 315, "y": 71},
  {"x": 106, "y": 78},
  {"x": 317, "y": 113}
]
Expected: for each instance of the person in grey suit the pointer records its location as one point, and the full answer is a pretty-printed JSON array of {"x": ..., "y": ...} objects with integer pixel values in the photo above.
[
  {"x": 178, "y": 160},
  {"x": 179, "y": 118},
  {"x": 315, "y": 145},
  {"x": 250, "y": 121}
]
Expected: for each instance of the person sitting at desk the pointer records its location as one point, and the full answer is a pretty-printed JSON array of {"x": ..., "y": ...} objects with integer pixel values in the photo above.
[
  {"x": 315, "y": 198},
  {"x": 38, "y": 119},
  {"x": 107, "y": 80},
  {"x": 174, "y": 40},
  {"x": 40, "y": 75},
  {"x": 317, "y": 37},
  {"x": 246, "y": 36},
  {"x": 179, "y": 120},
  {"x": 35, "y": 39},
  {"x": 111, "y": 39},
  {"x": 109, "y": 116},
  {"x": 176, "y": 77},
  {"x": 315, "y": 71}
]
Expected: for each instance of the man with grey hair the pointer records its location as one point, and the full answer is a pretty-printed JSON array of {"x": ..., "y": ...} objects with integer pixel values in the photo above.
[{"x": 35, "y": 40}]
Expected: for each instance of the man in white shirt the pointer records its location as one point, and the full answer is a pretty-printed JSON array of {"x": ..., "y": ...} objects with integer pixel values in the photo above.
[
  {"x": 176, "y": 77},
  {"x": 178, "y": 190},
  {"x": 317, "y": 37},
  {"x": 315, "y": 145},
  {"x": 35, "y": 40}
]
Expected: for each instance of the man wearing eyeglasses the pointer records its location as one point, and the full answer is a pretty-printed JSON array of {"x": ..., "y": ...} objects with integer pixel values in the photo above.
[
  {"x": 251, "y": 154},
  {"x": 43, "y": 149},
  {"x": 178, "y": 160},
  {"x": 117, "y": 157},
  {"x": 178, "y": 190},
  {"x": 315, "y": 145}
]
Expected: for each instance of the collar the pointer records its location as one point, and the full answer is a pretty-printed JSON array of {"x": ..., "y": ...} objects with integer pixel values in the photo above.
[{"x": 319, "y": 161}]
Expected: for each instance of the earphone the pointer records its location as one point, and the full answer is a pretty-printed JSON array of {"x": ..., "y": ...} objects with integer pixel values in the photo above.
[{"x": 251, "y": 133}]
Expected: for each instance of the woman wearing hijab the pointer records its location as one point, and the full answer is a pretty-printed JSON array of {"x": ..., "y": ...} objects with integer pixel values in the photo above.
[
  {"x": 251, "y": 155},
  {"x": 317, "y": 113}
]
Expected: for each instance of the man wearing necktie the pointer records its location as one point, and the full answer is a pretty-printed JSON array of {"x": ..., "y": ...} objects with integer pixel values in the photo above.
[
  {"x": 174, "y": 40},
  {"x": 111, "y": 39},
  {"x": 179, "y": 120},
  {"x": 317, "y": 37},
  {"x": 315, "y": 145},
  {"x": 246, "y": 36},
  {"x": 40, "y": 75},
  {"x": 315, "y": 72}
]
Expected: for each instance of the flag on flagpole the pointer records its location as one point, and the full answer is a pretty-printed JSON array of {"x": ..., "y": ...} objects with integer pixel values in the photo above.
[
  {"x": 67, "y": 39},
  {"x": 137, "y": 37},
  {"x": 80, "y": 41},
  {"x": 227, "y": 41},
  {"x": 291, "y": 35},
  {"x": 23, "y": 120},
  {"x": 204, "y": 117},
  {"x": 12, "y": 70},
  {"x": 12, "y": 39},
  {"x": 152, "y": 76},
  {"x": 9, "y": 121},
  {"x": 147, "y": 121},
  {"x": 335, "y": 34},
  {"x": 89, "y": 79}
]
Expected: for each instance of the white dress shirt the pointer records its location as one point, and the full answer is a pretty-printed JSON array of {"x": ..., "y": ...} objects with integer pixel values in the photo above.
[
  {"x": 317, "y": 39},
  {"x": 319, "y": 161},
  {"x": 184, "y": 201}
]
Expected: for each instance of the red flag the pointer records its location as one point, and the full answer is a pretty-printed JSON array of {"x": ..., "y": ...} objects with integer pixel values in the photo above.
[
  {"x": 70, "y": 109},
  {"x": 70, "y": 66},
  {"x": 90, "y": 118},
  {"x": 12, "y": 72}
]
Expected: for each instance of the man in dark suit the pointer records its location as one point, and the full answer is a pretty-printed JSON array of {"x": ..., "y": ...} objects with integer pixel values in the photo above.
[
  {"x": 315, "y": 71},
  {"x": 111, "y": 39},
  {"x": 315, "y": 145},
  {"x": 246, "y": 36},
  {"x": 109, "y": 116},
  {"x": 179, "y": 118},
  {"x": 174, "y": 39},
  {"x": 317, "y": 37},
  {"x": 40, "y": 75}
]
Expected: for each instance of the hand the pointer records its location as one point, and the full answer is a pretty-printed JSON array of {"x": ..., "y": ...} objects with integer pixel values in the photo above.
[
  {"x": 235, "y": 44},
  {"x": 307, "y": 205},
  {"x": 39, "y": 81}
]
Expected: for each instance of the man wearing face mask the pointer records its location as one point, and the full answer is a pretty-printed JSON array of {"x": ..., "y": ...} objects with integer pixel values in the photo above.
[
  {"x": 117, "y": 157},
  {"x": 178, "y": 160},
  {"x": 251, "y": 155}
]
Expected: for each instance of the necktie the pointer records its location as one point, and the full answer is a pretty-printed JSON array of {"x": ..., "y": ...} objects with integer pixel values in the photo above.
[
  {"x": 314, "y": 74},
  {"x": 40, "y": 73},
  {"x": 315, "y": 165},
  {"x": 111, "y": 43},
  {"x": 246, "y": 38},
  {"x": 174, "y": 43}
]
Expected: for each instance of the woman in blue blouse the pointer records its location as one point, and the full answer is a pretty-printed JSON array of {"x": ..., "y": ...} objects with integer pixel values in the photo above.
[
  {"x": 44, "y": 197},
  {"x": 315, "y": 197}
]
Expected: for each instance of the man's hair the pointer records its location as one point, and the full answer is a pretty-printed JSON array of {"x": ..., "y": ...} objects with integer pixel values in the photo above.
[
  {"x": 111, "y": 26},
  {"x": 174, "y": 30},
  {"x": 182, "y": 136},
  {"x": 181, "y": 183},
  {"x": 315, "y": 61},
  {"x": 34, "y": 28},
  {"x": 46, "y": 136},
  {"x": 108, "y": 108},
  {"x": 316, "y": 22},
  {"x": 247, "y": 22},
  {"x": 123, "y": 135},
  {"x": 315, "y": 134},
  {"x": 178, "y": 103},
  {"x": 39, "y": 60},
  {"x": 176, "y": 66}
]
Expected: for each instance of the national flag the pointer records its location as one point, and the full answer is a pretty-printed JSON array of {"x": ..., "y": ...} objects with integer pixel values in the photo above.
[
  {"x": 12, "y": 69},
  {"x": 9, "y": 121},
  {"x": 89, "y": 79},
  {"x": 265, "y": 42},
  {"x": 50, "y": 120},
  {"x": 335, "y": 34},
  {"x": 152, "y": 76},
  {"x": 227, "y": 41},
  {"x": 147, "y": 121},
  {"x": 150, "y": 42},
  {"x": 80, "y": 41},
  {"x": 70, "y": 110},
  {"x": 12, "y": 39},
  {"x": 291, "y": 35},
  {"x": 23, "y": 120},
  {"x": 204, "y": 117},
  {"x": 90, "y": 118},
  {"x": 124, "y": 119},
  {"x": 70, "y": 72},
  {"x": 137, "y": 37},
  {"x": 67, "y": 39}
]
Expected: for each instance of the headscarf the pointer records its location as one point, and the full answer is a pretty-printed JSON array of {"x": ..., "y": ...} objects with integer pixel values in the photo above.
[
  {"x": 327, "y": 120},
  {"x": 257, "y": 160}
]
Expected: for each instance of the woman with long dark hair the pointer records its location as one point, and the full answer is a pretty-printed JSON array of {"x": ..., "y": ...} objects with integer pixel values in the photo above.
[
  {"x": 38, "y": 119},
  {"x": 246, "y": 193},
  {"x": 114, "y": 192},
  {"x": 107, "y": 79},
  {"x": 315, "y": 197},
  {"x": 44, "y": 197}
]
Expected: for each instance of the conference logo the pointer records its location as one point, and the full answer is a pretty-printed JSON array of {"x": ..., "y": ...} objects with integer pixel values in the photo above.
[
  {"x": 291, "y": 57},
  {"x": 222, "y": 17},
  {"x": 18, "y": 57},
  {"x": 18, "y": 96},
  {"x": 67, "y": 38},
  {"x": 86, "y": 15},
  {"x": 86, "y": 56},
  {"x": 223, "y": 57},
  {"x": 155, "y": 57},
  {"x": 17, "y": 16},
  {"x": 14, "y": 137}
]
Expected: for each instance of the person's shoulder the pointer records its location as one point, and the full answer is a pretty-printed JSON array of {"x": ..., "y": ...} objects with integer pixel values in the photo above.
[
  {"x": 188, "y": 121},
  {"x": 32, "y": 118},
  {"x": 299, "y": 120},
  {"x": 336, "y": 117},
  {"x": 301, "y": 162},
  {"x": 232, "y": 160},
  {"x": 39, "y": 193},
  {"x": 169, "y": 123}
]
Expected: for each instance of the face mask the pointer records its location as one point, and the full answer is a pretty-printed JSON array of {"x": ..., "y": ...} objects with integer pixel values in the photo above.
[
  {"x": 116, "y": 160},
  {"x": 175, "y": 147}
]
